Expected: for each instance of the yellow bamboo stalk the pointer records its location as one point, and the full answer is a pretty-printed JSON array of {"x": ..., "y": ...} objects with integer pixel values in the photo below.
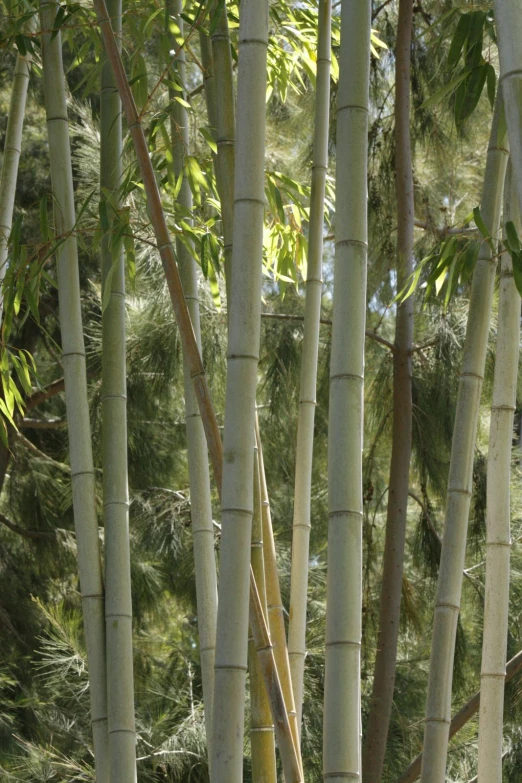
[{"x": 261, "y": 724}]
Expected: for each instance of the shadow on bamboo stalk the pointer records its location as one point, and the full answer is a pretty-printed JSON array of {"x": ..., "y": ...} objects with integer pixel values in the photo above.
[{"x": 197, "y": 372}]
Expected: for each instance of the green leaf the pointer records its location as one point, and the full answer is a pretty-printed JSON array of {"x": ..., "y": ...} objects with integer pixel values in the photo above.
[
  {"x": 479, "y": 221},
  {"x": 107, "y": 284},
  {"x": 139, "y": 81},
  {"x": 512, "y": 240},
  {"x": 449, "y": 88},
  {"x": 58, "y": 21},
  {"x": 209, "y": 138},
  {"x": 517, "y": 271},
  {"x": 457, "y": 42},
  {"x": 204, "y": 256},
  {"x": 215, "y": 16},
  {"x": 491, "y": 83},
  {"x": 45, "y": 229},
  {"x": 469, "y": 92},
  {"x": 475, "y": 38}
]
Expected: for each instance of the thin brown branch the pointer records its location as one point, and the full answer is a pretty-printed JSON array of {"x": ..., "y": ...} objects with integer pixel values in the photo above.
[
  {"x": 327, "y": 322},
  {"x": 426, "y": 513},
  {"x": 41, "y": 454},
  {"x": 22, "y": 531},
  {"x": 41, "y": 395}
]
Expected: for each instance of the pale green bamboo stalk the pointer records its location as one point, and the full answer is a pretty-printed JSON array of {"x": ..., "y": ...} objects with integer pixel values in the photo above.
[
  {"x": 449, "y": 586},
  {"x": 508, "y": 23},
  {"x": 276, "y": 619},
  {"x": 261, "y": 724},
  {"x": 225, "y": 133},
  {"x": 11, "y": 156},
  {"x": 73, "y": 360},
  {"x": 191, "y": 352},
  {"x": 199, "y": 476},
  {"x": 308, "y": 383},
  {"x": 341, "y": 741},
  {"x": 118, "y": 600},
  {"x": 496, "y": 607},
  {"x": 243, "y": 352}
]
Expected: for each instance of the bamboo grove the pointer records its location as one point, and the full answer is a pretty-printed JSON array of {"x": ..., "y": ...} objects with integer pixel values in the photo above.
[{"x": 260, "y": 419}]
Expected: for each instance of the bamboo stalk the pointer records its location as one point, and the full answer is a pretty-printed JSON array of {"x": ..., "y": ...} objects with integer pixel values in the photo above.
[
  {"x": 496, "y": 607},
  {"x": 308, "y": 382},
  {"x": 261, "y": 725},
  {"x": 118, "y": 600},
  {"x": 242, "y": 359},
  {"x": 449, "y": 586},
  {"x": 461, "y": 718},
  {"x": 276, "y": 619},
  {"x": 225, "y": 132},
  {"x": 11, "y": 156},
  {"x": 508, "y": 24},
  {"x": 73, "y": 359},
  {"x": 199, "y": 478},
  {"x": 190, "y": 347},
  {"x": 374, "y": 749},
  {"x": 341, "y": 740}
]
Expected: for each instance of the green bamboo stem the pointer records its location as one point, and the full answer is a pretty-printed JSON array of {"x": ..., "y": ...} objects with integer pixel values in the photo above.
[
  {"x": 261, "y": 725},
  {"x": 11, "y": 156},
  {"x": 197, "y": 372},
  {"x": 308, "y": 383},
  {"x": 243, "y": 351},
  {"x": 73, "y": 359},
  {"x": 508, "y": 24},
  {"x": 449, "y": 586},
  {"x": 374, "y": 749},
  {"x": 498, "y": 536},
  {"x": 199, "y": 478},
  {"x": 225, "y": 133},
  {"x": 341, "y": 742},
  {"x": 118, "y": 601}
]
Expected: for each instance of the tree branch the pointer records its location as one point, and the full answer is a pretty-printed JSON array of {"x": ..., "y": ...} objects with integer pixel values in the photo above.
[
  {"x": 42, "y": 424},
  {"x": 290, "y": 317},
  {"x": 22, "y": 531},
  {"x": 460, "y": 719},
  {"x": 41, "y": 395}
]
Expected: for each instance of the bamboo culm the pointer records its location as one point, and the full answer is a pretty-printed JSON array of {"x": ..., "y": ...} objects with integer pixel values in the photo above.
[
  {"x": 199, "y": 477},
  {"x": 73, "y": 360},
  {"x": 197, "y": 372},
  {"x": 225, "y": 119},
  {"x": 242, "y": 359},
  {"x": 449, "y": 585},
  {"x": 342, "y": 702},
  {"x": 508, "y": 25},
  {"x": 118, "y": 601},
  {"x": 308, "y": 382},
  {"x": 496, "y": 606},
  {"x": 393, "y": 560},
  {"x": 11, "y": 156},
  {"x": 261, "y": 725}
]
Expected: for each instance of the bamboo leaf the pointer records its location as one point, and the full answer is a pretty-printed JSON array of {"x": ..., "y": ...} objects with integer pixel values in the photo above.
[
  {"x": 517, "y": 271},
  {"x": 479, "y": 221},
  {"x": 512, "y": 239},
  {"x": 457, "y": 42},
  {"x": 491, "y": 82}
]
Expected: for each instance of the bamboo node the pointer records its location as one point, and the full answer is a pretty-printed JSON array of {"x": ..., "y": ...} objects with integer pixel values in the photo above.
[
  {"x": 230, "y": 667},
  {"x": 346, "y": 376},
  {"x": 343, "y": 644},
  {"x": 347, "y": 242},
  {"x": 347, "y": 775},
  {"x": 352, "y": 106}
]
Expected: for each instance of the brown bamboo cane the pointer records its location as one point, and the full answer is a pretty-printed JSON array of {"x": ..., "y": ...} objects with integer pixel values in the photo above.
[{"x": 259, "y": 629}]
